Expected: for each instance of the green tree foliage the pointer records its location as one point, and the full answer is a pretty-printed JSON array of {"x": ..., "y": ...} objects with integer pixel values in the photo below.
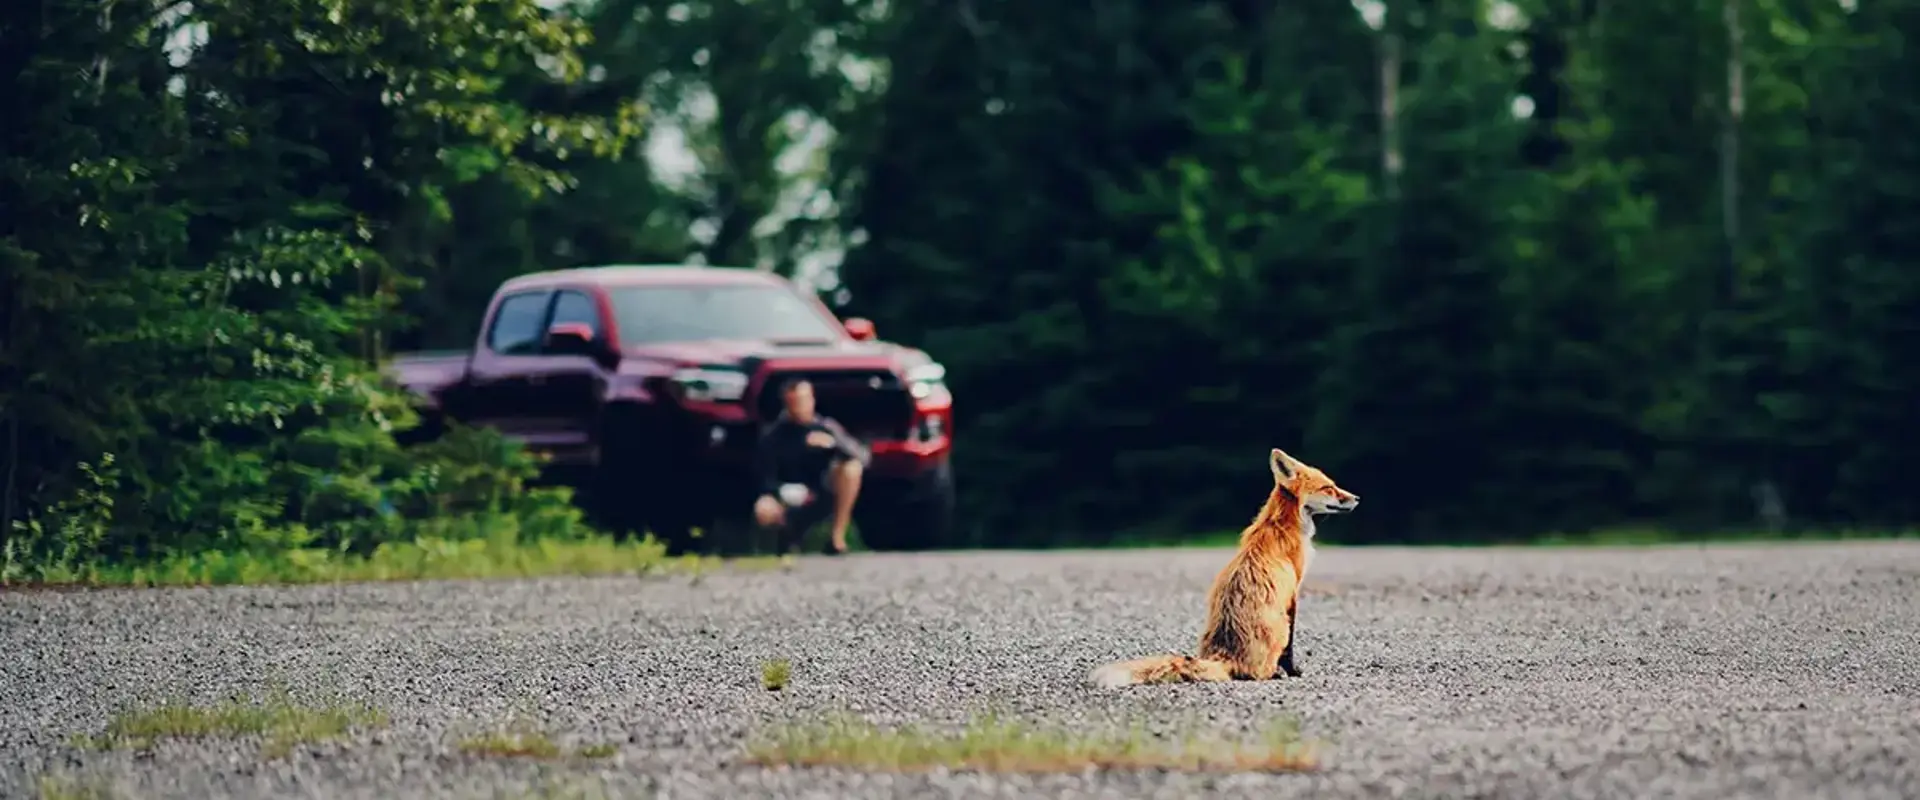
[
  {"x": 1493, "y": 325},
  {"x": 85, "y": 150},
  {"x": 1589, "y": 347},
  {"x": 736, "y": 94},
  {"x": 204, "y": 247},
  {"x": 1148, "y": 240},
  {"x": 1452, "y": 184},
  {"x": 1164, "y": 207},
  {"x": 1852, "y": 328}
]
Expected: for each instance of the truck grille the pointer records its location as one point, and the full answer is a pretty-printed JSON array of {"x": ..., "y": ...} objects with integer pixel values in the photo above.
[{"x": 871, "y": 404}]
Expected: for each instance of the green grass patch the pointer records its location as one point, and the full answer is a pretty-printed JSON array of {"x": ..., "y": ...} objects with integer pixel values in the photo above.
[
  {"x": 425, "y": 559},
  {"x": 71, "y": 787},
  {"x": 511, "y": 744},
  {"x": 1607, "y": 537},
  {"x": 774, "y": 674},
  {"x": 996, "y": 745},
  {"x": 526, "y": 740},
  {"x": 279, "y": 721},
  {"x": 1141, "y": 541},
  {"x": 1639, "y": 537}
]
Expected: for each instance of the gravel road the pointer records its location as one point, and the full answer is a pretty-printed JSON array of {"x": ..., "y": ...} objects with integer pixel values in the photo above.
[{"x": 1779, "y": 671}]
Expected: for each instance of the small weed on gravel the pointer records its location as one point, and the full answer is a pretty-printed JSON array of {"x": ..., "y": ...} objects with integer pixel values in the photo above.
[
  {"x": 774, "y": 674},
  {"x": 511, "y": 744},
  {"x": 994, "y": 745},
  {"x": 280, "y": 721},
  {"x": 524, "y": 740}
]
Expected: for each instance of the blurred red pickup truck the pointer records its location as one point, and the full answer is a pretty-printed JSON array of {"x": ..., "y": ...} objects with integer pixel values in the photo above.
[{"x": 650, "y": 385}]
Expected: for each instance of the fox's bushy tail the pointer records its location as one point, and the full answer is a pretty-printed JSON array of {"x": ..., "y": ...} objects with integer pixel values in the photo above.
[{"x": 1169, "y": 668}]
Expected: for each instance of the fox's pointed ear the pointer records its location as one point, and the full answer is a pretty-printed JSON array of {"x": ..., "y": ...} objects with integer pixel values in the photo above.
[{"x": 1282, "y": 464}]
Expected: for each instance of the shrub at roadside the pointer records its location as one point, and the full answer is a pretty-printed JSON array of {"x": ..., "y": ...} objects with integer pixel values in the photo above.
[
  {"x": 335, "y": 502},
  {"x": 198, "y": 278}
]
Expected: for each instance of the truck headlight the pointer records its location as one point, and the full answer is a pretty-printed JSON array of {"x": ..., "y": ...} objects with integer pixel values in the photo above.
[
  {"x": 922, "y": 379},
  {"x": 711, "y": 384}
]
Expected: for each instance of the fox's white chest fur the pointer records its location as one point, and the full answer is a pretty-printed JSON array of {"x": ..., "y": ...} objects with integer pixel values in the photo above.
[{"x": 1306, "y": 540}]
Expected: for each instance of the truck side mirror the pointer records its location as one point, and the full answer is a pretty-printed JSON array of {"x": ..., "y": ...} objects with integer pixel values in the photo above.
[
  {"x": 860, "y": 328},
  {"x": 572, "y": 339}
]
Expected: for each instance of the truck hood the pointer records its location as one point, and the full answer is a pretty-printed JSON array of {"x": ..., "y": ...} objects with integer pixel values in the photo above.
[{"x": 737, "y": 351}]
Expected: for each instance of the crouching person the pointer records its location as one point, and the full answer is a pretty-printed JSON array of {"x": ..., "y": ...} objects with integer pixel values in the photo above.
[{"x": 808, "y": 468}]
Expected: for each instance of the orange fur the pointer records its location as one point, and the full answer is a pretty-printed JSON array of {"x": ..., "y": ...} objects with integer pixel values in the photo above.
[{"x": 1254, "y": 600}]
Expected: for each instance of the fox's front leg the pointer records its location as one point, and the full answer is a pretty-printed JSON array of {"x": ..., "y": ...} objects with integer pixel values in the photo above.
[{"x": 1287, "y": 662}]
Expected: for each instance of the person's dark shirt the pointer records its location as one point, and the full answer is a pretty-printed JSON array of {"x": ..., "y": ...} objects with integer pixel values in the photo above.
[{"x": 785, "y": 456}]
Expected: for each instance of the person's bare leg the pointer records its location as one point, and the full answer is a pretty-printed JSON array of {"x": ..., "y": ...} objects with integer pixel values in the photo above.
[{"x": 846, "y": 488}]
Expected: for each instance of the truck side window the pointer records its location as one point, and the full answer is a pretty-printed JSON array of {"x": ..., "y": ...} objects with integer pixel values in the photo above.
[
  {"x": 516, "y": 326},
  {"x": 571, "y": 306}
]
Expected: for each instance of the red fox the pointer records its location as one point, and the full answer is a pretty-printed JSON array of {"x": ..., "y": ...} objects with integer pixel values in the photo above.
[{"x": 1251, "y": 609}]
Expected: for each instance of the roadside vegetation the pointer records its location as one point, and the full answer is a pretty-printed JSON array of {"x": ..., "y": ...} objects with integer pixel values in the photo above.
[
  {"x": 998, "y": 745},
  {"x": 467, "y": 506},
  {"x": 195, "y": 324},
  {"x": 1609, "y": 537},
  {"x": 1630, "y": 537},
  {"x": 1615, "y": 307},
  {"x": 499, "y": 556}
]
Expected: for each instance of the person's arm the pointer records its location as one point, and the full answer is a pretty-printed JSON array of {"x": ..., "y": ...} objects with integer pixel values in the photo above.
[{"x": 845, "y": 444}]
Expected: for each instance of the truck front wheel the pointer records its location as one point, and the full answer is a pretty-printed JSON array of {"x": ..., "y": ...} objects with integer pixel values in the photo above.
[{"x": 915, "y": 514}]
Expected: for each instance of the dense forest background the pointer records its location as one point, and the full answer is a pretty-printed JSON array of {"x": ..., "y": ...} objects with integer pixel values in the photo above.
[{"x": 1502, "y": 268}]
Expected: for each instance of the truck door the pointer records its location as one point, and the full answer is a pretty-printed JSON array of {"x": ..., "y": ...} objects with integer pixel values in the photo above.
[
  {"x": 499, "y": 389},
  {"x": 569, "y": 386}
]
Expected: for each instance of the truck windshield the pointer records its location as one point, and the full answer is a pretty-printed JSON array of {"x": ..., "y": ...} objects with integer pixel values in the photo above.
[{"x": 692, "y": 313}]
